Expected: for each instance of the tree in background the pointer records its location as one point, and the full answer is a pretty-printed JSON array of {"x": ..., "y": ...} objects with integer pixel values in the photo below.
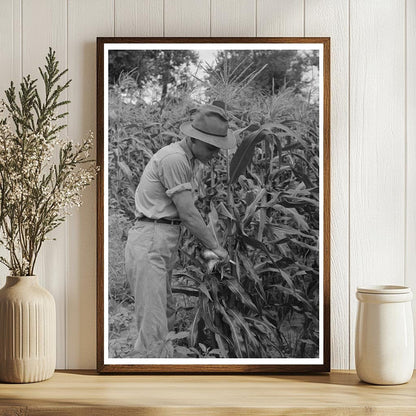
[
  {"x": 283, "y": 68},
  {"x": 167, "y": 69}
]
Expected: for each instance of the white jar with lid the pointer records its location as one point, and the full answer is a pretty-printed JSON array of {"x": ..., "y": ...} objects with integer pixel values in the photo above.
[{"x": 384, "y": 343}]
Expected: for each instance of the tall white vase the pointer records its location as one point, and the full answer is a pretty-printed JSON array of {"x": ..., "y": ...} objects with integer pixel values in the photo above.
[{"x": 27, "y": 331}]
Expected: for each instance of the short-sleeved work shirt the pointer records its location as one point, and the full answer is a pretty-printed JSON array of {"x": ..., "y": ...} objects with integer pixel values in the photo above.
[{"x": 169, "y": 171}]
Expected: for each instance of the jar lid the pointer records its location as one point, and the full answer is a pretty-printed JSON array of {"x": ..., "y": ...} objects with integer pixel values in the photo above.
[{"x": 384, "y": 289}]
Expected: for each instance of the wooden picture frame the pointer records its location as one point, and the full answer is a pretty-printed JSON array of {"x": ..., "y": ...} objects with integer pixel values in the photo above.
[{"x": 296, "y": 320}]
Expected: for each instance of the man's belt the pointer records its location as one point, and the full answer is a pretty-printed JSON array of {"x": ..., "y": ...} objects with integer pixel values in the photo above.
[{"x": 170, "y": 221}]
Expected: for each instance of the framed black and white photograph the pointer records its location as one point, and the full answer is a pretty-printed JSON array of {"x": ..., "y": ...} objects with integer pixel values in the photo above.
[{"x": 213, "y": 248}]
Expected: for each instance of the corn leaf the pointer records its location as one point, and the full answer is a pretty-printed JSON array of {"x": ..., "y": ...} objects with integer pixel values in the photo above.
[
  {"x": 264, "y": 326},
  {"x": 222, "y": 346},
  {"x": 207, "y": 315},
  {"x": 244, "y": 154},
  {"x": 185, "y": 290},
  {"x": 288, "y": 279},
  {"x": 203, "y": 288},
  {"x": 251, "y": 209},
  {"x": 236, "y": 336},
  {"x": 289, "y": 132},
  {"x": 213, "y": 223},
  {"x": 125, "y": 169},
  {"x": 244, "y": 325},
  {"x": 293, "y": 292},
  {"x": 251, "y": 272},
  {"x": 193, "y": 330},
  {"x": 223, "y": 210},
  {"x": 238, "y": 290}
]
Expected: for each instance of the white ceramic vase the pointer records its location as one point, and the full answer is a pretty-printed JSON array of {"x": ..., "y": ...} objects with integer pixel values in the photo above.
[
  {"x": 27, "y": 331},
  {"x": 384, "y": 352}
]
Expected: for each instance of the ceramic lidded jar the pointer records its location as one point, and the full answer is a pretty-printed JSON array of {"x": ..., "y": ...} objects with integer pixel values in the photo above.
[
  {"x": 384, "y": 343},
  {"x": 27, "y": 331}
]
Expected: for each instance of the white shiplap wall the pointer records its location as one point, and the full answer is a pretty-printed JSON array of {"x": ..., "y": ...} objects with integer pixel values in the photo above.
[{"x": 373, "y": 132}]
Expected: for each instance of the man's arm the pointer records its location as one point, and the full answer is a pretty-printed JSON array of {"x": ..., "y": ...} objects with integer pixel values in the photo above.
[{"x": 193, "y": 221}]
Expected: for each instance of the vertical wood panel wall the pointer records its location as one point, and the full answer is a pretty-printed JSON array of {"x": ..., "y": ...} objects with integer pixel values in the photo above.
[
  {"x": 330, "y": 18},
  {"x": 373, "y": 132},
  {"x": 86, "y": 21},
  {"x": 377, "y": 145},
  {"x": 410, "y": 139}
]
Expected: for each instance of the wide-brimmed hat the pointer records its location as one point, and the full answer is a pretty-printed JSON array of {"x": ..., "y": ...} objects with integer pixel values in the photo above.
[{"x": 210, "y": 125}]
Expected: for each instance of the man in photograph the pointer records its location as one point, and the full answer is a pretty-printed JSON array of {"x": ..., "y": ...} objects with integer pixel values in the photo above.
[{"x": 163, "y": 202}]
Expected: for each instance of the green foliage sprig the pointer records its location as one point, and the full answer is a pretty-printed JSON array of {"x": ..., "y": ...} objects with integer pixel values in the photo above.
[{"x": 41, "y": 175}]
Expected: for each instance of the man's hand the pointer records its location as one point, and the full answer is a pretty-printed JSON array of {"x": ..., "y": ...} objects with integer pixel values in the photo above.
[{"x": 213, "y": 257}]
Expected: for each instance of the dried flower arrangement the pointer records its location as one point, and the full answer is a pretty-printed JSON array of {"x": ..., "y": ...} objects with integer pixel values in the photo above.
[{"x": 41, "y": 174}]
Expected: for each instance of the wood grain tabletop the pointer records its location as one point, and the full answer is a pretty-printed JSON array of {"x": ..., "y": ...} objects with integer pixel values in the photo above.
[{"x": 87, "y": 393}]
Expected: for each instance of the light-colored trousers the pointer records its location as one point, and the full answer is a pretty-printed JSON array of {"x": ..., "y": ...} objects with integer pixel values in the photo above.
[{"x": 150, "y": 255}]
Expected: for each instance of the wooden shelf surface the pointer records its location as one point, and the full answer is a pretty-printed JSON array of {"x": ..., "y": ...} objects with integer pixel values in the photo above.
[{"x": 87, "y": 393}]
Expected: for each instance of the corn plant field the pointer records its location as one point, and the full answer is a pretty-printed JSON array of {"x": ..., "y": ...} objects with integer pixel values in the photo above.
[{"x": 261, "y": 200}]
